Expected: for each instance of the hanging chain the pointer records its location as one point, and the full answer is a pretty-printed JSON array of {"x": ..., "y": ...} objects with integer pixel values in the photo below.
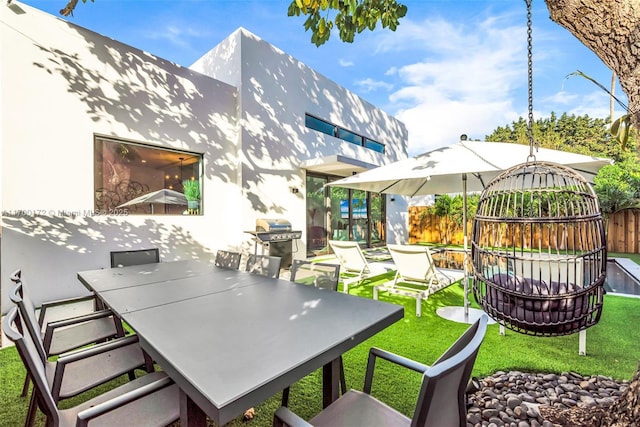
[{"x": 532, "y": 143}]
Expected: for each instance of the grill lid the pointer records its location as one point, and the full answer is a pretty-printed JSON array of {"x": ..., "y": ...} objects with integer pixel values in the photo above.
[{"x": 263, "y": 224}]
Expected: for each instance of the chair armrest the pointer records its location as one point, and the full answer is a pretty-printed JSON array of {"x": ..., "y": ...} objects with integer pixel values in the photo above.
[
  {"x": 285, "y": 416},
  {"x": 79, "y": 319},
  {"x": 391, "y": 357},
  {"x": 100, "y": 409},
  {"x": 68, "y": 302},
  {"x": 66, "y": 361},
  {"x": 74, "y": 356},
  {"x": 52, "y": 326}
]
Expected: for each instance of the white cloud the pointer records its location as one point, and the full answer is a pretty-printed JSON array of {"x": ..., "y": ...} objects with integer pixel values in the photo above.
[
  {"x": 462, "y": 82},
  {"x": 562, "y": 98},
  {"x": 369, "y": 85},
  {"x": 345, "y": 63}
]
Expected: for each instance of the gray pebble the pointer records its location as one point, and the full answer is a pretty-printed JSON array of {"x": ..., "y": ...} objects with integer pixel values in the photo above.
[{"x": 512, "y": 399}]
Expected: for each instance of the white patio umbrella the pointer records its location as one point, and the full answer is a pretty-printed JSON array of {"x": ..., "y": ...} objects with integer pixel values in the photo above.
[
  {"x": 458, "y": 168},
  {"x": 166, "y": 196}
]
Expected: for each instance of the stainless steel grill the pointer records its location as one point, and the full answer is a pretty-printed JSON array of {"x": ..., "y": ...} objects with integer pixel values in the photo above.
[
  {"x": 275, "y": 230},
  {"x": 275, "y": 237}
]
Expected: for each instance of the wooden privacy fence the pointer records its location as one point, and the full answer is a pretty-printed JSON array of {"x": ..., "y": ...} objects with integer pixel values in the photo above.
[
  {"x": 623, "y": 230},
  {"x": 425, "y": 226}
]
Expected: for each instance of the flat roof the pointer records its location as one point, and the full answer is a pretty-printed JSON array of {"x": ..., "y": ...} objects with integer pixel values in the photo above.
[{"x": 337, "y": 165}]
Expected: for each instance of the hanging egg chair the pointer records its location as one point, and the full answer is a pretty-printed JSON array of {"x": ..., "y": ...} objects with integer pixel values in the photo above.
[
  {"x": 539, "y": 250},
  {"x": 538, "y": 244}
]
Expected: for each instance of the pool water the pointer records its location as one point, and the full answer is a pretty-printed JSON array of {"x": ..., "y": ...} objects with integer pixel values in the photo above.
[
  {"x": 449, "y": 259},
  {"x": 618, "y": 280}
]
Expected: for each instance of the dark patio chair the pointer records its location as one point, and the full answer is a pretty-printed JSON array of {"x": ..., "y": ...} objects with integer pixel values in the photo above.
[
  {"x": 264, "y": 265},
  {"x": 75, "y": 372},
  {"x": 69, "y": 324},
  {"x": 134, "y": 257},
  {"x": 320, "y": 275},
  {"x": 228, "y": 259},
  {"x": 151, "y": 400},
  {"x": 441, "y": 401}
]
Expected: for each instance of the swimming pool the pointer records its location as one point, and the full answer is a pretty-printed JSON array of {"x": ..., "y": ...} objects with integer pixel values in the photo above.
[{"x": 618, "y": 280}]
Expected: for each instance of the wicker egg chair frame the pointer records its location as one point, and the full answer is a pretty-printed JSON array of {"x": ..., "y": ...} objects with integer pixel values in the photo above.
[{"x": 539, "y": 250}]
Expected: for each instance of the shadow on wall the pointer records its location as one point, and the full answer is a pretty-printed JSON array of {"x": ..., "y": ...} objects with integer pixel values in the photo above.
[
  {"x": 146, "y": 90},
  {"x": 50, "y": 250},
  {"x": 157, "y": 101}
]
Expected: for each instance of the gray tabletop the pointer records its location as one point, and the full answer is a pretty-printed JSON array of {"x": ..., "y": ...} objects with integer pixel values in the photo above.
[
  {"x": 141, "y": 296},
  {"x": 135, "y": 275},
  {"x": 231, "y": 339}
]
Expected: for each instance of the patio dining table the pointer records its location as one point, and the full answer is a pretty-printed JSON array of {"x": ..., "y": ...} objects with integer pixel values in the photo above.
[{"x": 231, "y": 339}]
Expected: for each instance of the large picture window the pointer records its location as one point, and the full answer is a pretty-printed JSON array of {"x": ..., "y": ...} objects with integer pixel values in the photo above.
[{"x": 133, "y": 178}]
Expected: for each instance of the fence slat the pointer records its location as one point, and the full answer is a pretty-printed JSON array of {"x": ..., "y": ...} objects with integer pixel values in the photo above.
[{"x": 623, "y": 229}]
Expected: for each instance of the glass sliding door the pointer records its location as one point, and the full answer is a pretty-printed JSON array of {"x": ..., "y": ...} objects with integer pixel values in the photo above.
[
  {"x": 316, "y": 216},
  {"x": 342, "y": 214},
  {"x": 378, "y": 219},
  {"x": 339, "y": 208},
  {"x": 359, "y": 217}
]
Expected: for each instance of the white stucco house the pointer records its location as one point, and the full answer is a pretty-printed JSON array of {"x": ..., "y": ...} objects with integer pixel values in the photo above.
[{"x": 89, "y": 124}]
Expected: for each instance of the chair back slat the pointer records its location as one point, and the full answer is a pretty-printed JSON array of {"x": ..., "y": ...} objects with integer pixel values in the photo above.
[
  {"x": 27, "y": 349},
  {"x": 228, "y": 259},
  {"x": 350, "y": 255},
  {"x": 134, "y": 257},
  {"x": 441, "y": 401},
  {"x": 413, "y": 262},
  {"x": 264, "y": 265},
  {"x": 320, "y": 275},
  {"x": 29, "y": 318}
]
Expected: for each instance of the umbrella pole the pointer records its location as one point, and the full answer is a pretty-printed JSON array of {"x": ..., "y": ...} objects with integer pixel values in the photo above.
[
  {"x": 463, "y": 314},
  {"x": 466, "y": 256}
]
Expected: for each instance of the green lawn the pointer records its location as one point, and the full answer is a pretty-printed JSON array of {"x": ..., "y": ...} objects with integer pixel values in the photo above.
[{"x": 612, "y": 350}]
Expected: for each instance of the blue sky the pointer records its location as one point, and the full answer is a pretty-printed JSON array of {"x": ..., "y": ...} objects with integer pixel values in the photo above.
[{"x": 452, "y": 66}]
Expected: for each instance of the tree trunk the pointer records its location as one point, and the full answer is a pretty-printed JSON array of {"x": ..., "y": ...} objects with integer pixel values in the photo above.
[
  {"x": 610, "y": 29},
  {"x": 626, "y": 411}
]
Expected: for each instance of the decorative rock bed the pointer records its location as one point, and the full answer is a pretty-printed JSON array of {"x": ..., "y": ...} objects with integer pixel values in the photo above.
[{"x": 513, "y": 398}]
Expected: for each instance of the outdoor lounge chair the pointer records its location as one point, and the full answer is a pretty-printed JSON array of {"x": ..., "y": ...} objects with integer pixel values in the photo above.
[
  {"x": 320, "y": 275},
  {"x": 354, "y": 266},
  {"x": 70, "y": 323},
  {"x": 264, "y": 265},
  {"x": 441, "y": 401},
  {"x": 151, "y": 400},
  {"x": 75, "y": 372},
  {"x": 417, "y": 276},
  {"x": 228, "y": 259}
]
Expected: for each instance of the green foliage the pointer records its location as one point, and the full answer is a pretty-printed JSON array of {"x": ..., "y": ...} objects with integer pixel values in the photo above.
[
  {"x": 191, "y": 188},
  {"x": 618, "y": 186},
  {"x": 69, "y": 8},
  {"x": 448, "y": 206},
  {"x": 351, "y": 17},
  {"x": 620, "y": 128},
  {"x": 576, "y": 134},
  {"x": 442, "y": 205}
]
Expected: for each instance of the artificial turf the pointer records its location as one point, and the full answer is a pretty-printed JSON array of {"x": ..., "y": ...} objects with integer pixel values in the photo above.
[{"x": 611, "y": 351}]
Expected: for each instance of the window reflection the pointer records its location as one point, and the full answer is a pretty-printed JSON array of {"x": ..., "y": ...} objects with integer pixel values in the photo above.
[{"x": 133, "y": 178}]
